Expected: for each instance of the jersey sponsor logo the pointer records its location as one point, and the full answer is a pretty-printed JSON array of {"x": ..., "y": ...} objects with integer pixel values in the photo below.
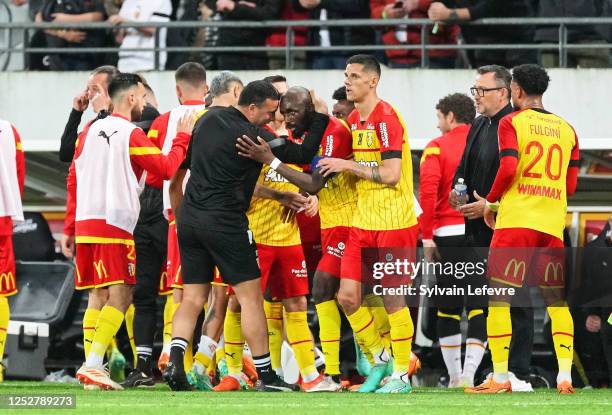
[
  {"x": 554, "y": 271},
  {"x": 518, "y": 270},
  {"x": 274, "y": 177},
  {"x": 537, "y": 190},
  {"x": 384, "y": 134},
  {"x": 7, "y": 281},
  {"x": 301, "y": 272},
  {"x": 368, "y": 163},
  {"x": 336, "y": 251},
  {"x": 132, "y": 269},
  {"x": 106, "y": 136}
]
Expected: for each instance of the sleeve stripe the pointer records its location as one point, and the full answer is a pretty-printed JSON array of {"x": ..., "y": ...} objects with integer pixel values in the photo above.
[
  {"x": 144, "y": 151},
  {"x": 391, "y": 154},
  {"x": 153, "y": 134},
  {"x": 430, "y": 151},
  {"x": 511, "y": 152},
  {"x": 574, "y": 163},
  {"x": 18, "y": 146}
]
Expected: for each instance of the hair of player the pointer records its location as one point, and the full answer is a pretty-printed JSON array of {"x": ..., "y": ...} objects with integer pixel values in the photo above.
[
  {"x": 461, "y": 105},
  {"x": 532, "y": 78},
  {"x": 257, "y": 92},
  {"x": 148, "y": 87},
  {"x": 192, "y": 73},
  {"x": 340, "y": 94},
  {"x": 369, "y": 62},
  {"x": 222, "y": 83},
  {"x": 123, "y": 82},
  {"x": 273, "y": 79},
  {"x": 109, "y": 70},
  {"x": 502, "y": 75}
]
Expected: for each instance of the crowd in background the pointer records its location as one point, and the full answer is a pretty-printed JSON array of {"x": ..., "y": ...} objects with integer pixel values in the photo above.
[{"x": 449, "y": 13}]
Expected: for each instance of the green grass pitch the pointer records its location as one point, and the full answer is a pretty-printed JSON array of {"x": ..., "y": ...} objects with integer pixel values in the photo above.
[{"x": 430, "y": 401}]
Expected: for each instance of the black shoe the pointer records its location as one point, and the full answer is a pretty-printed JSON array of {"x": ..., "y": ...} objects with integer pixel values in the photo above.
[
  {"x": 176, "y": 379},
  {"x": 138, "y": 379},
  {"x": 278, "y": 385}
]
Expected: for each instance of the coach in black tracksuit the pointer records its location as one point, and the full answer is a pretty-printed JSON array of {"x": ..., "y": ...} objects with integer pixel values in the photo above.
[{"x": 478, "y": 167}]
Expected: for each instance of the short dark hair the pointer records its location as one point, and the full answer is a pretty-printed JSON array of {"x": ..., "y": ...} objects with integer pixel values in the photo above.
[
  {"x": 123, "y": 82},
  {"x": 221, "y": 83},
  {"x": 109, "y": 70},
  {"x": 369, "y": 62},
  {"x": 502, "y": 75},
  {"x": 193, "y": 73},
  {"x": 257, "y": 92},
  {"x": 273, "y": 79},
  {"x": 460, "y": 104},
  {"x": 340, "y": 94},
  {"x": 532, "y": 78}
]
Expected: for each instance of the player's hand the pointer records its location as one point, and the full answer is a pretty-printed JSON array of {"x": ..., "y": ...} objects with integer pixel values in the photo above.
[
  {"x": 185, "y": 124},
  {"x": 100, "y": 99},
  {"x": 292, "y": 200},
  {"x": 67, "y": 245},
  {"x": 247, "y": 4},
  {"x": 430, "y": 250},
  {"x": 593, "y": 323},
  {"x": 261, "y": 152},
  {"x": 474, "y": 210},
  {"x": 80, "y": 102},
  {"x": 62, "y": 17},
  {"x": 312, "y": 206},
  {"x": 453, "y": 200},
  {"x": 330, "y": 165},
  {"x": 319, "y": 104},
  {"x": 74, "y": 36},
  {"x": 438, "y": 11}
]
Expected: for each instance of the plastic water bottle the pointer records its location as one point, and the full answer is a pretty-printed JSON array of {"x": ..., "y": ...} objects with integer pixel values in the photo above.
[{"x": 461, "y": 191}]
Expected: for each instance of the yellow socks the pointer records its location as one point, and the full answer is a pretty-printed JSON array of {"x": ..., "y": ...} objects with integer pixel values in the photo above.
[
  {"x": 4, "y": 322},
  {"x": 168, "y": 310},
  {"x": 329, "y": 333},
  {"x": 499, "y": 329},
  {"x": 90, "y": 318},
  {"x": 234, "y": 342},
  {"x": 274, "y": 318},
  {"x": 300, "y": 340},
  {"x": 562, "y": 327},
  {"x": 109, "y": 322},
  {"x": 129, "y": 326},
  {"x": 402, "y": 331},
  {"x": 381, "y": 318},
  {"x": 367, "y": 336}
]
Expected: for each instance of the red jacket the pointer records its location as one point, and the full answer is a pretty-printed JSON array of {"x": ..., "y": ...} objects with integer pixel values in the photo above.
[
  {"x": 439, "y": 162},
  {"x": 447, "y": 34}
]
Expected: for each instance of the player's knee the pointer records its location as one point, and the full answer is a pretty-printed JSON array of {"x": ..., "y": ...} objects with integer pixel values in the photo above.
[
  {"x": 349, "y": 301},
  {"x": 295, "y": 304},
  {"x": 324, "y": 287}
]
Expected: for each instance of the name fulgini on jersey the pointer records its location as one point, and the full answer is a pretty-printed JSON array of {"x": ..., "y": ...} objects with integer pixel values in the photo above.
[
  {"x": 537, "y": 190},
  {"x": 543, "y": 130}
]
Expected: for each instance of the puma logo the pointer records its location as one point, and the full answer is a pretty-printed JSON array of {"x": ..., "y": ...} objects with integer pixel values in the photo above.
[
  {"x": 569, "y": 348},
  {"x": 506, "y": 348},
  {"x": 106, "y": 137},
  {"x": 230, "y": 354}
]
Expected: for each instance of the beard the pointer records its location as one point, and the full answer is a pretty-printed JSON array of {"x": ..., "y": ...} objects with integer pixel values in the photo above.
[{"x": 136, "y": 114}]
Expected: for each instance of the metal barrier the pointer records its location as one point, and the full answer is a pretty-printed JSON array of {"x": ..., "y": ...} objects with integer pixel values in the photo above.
[{"x": 562, "y": 46}]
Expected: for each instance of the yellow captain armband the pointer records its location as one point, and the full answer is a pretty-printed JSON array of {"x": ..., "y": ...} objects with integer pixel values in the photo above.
[{"x": 493, "y": 206}]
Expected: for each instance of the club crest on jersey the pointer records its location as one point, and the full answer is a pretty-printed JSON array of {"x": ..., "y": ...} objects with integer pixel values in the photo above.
[
  {"x": 370, "y": 138},
  {"x": 273, "y": 176}
]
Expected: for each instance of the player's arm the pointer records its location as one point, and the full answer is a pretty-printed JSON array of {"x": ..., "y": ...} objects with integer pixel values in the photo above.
[
  {"x": 508, "y": 160},
  {"x": 19, "y": 159},
  {"x": 290, "y": 152},
  {"x": 157, "y": 131},
  {"x": 571, "y": 180},
  {"x": 148, "y": 157},
  {"x": 429, "y": 178},
  {"x": 389, "y": 172},
  {"x": 69, "y": 136},
  {"x": 67, "y": 242},
  {"x": 176, "y": 189}
]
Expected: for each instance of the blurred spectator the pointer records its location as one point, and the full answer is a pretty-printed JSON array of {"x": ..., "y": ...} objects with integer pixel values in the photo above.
[
  {"x": 73, "y": 11},
  {"x": 336, "y": 36},
  {"x": 278, "y": 37},
  {"x": 465, "y": 10},
  {"x": 232, "y": 10},
  {"x": 585, "y": 34},
  {"x": 342, "y": 107},
  {"x": 411, "y": 35},
  {"x": 33, "y": 6},
  {"x": 112, "y": 6},
  {"x": 142, "y": 37}
]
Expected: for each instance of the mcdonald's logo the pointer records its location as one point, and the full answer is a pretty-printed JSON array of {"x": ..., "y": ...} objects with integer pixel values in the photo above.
[
  {"x": 7, "y": 281},
  {"x": 518, "y": 270},
  {"x": 131, "y": 252},
  {"x": 557, "y": 272},
  {"x": 101, "y": 270},
  {"x": 162, "y": 281}
]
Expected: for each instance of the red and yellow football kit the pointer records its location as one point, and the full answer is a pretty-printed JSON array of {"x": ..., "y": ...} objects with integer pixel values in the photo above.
[
  {"x": 385, "y": 214},
  {"x": 8, "y": 284},
  {"x": 538, "y": 169}
]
